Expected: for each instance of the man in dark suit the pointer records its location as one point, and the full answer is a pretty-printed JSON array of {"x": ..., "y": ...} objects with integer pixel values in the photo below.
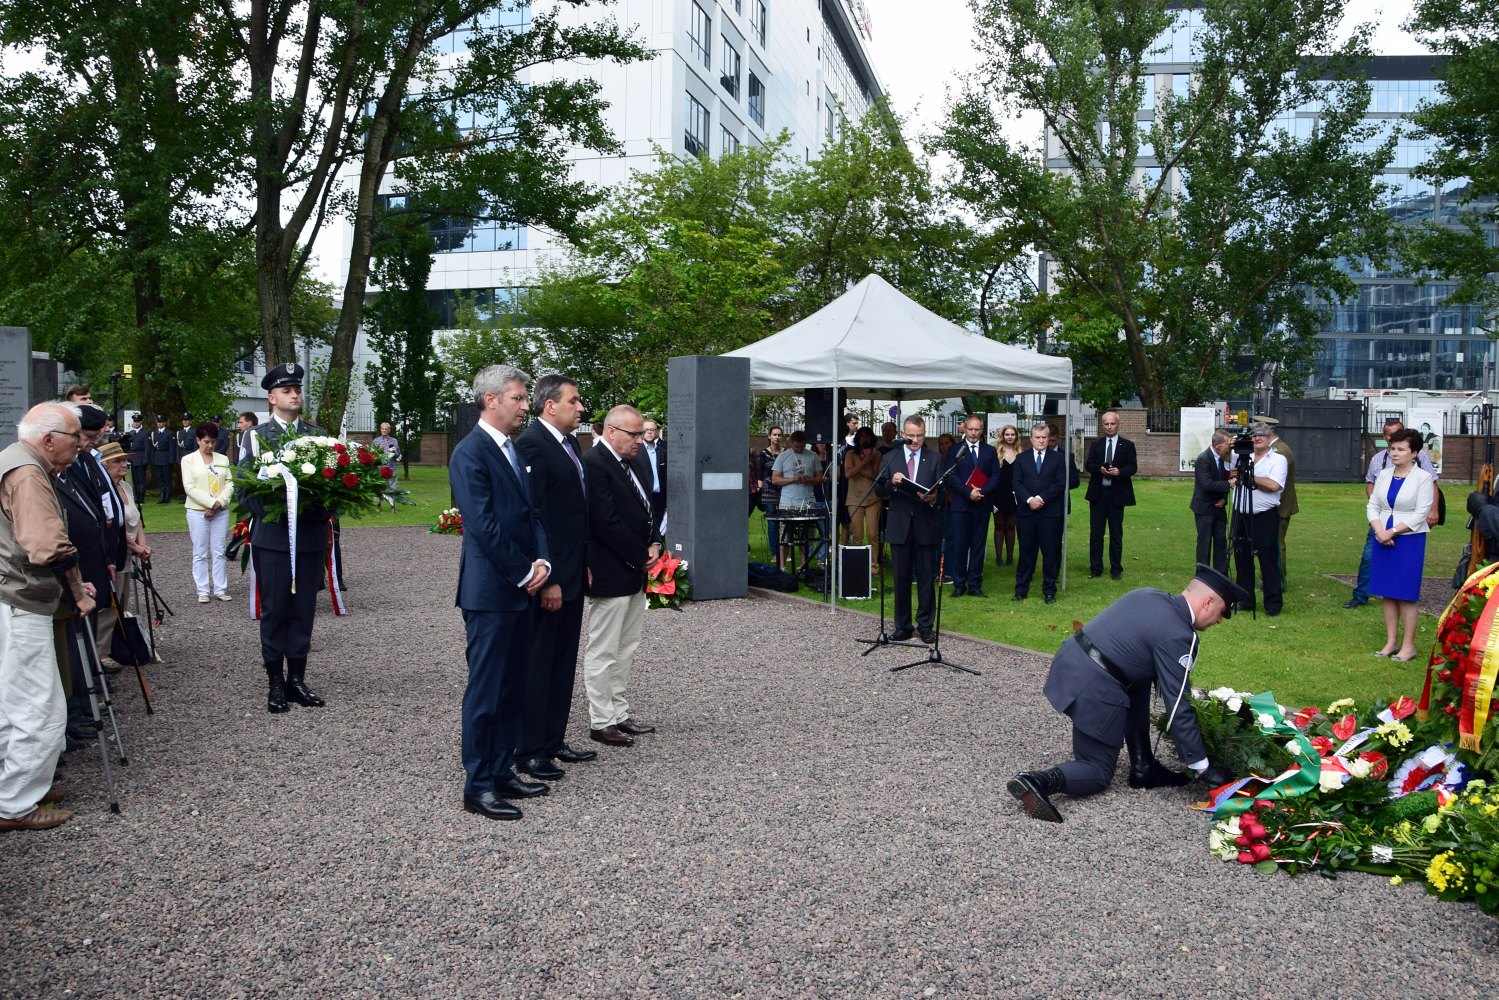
[
  {"x": 184, "y": 442},
  {"x": 139, "y": 449},
  {"x": 504, "y": 565},
  {"x": 972, "y": 460},
  {"x": 551, "y": 454},
  {"x": 1112, "y": 464},
  {"x": 623, "y": 543},
  {"x": 1211, "y": 482},
  {"x": 913, "y": 527},
  {"x": 650, "y": 469},
  {"x": 1040, "y": 497},
  {"x": 162, "y": 450},
  {"x": 286, "y": 615}
]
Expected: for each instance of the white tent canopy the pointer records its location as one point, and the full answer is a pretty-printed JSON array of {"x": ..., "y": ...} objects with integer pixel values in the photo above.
[{"x": 875, "y": 343}]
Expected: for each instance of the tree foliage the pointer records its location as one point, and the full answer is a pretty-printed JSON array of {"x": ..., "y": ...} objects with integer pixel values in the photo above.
[
  {"x": 1465, "y": 164},
  {"x": 1169, "y": 282},
  {"x": 703, "y": 255},
  {"x": 405, "y": 380}
]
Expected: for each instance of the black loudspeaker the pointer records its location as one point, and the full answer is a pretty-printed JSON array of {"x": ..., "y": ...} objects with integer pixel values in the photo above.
[
  {"x": 855, "y": 581},
  {"x": 821, "y": 413}
]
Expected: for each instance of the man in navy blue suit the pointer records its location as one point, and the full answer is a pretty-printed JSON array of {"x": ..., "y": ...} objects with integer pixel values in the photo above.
[
  {"x": 913, "y": 527},
  {"x": 558, "y": 486},
  {"x": 1040, "y": 499},
  {"x": 503, "y": 565},
  {"x": 973, "y": 460},
  {"x": 1111, "y": 462}
]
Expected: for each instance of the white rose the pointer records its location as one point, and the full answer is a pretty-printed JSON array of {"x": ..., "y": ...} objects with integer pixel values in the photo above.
[
  {"x": 1293, "y": 748},
  {"x": 308, "y": 468},
  {"x": 1265, "y": 720},
  {"x": 288, "y": 454},
  {"x": 276, "y": 470},
  {"x": 1331, "y": 781},
  {"x": 1360, "y": 768},
  {"x": 267, "y": 457},
  {"x": 1222, "y": 693},
  {"x": 1234, "y": 704}
]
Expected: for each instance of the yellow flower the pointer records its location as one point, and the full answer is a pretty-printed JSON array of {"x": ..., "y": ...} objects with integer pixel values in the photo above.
[
  {"x": 1397, "y": 733},
  {"x": 1396, "y": 880},
  {"x": 1339, "y": 707},
  {"x": 1443, "y": 872}
]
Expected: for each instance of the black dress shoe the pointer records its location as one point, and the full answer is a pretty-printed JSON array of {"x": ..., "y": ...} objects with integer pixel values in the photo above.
[
  {"x": 977, "y": 592},
  {"x": 1355, "y": 603},
  {"x": 612, "y": 736},
  {"x": 514, "y": 788},
  {"x": 928, "y": 636},
  {"x": 901, "y": 634},
  {"x": 491, "y": 806},
  {"x": 570, "y": 756},
  {"x": 1118, "y": 574},
  {"x": 1094, "y": 574},
  {"x": 539, "y": 767},
  {"x": 635, "y": 728},
  {"x": 1017, "y": 597},
  {"x": 1051, "y": 598},
  {"x": 958, "y": 592}
]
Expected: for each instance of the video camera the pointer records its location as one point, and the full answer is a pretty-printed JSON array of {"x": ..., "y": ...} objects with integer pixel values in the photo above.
[{"x": 1244, "y": 443}]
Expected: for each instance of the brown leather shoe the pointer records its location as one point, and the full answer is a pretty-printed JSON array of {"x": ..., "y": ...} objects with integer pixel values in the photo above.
[
  {"x": 54, "y": 794},
  {"x": 635, "y": 728},
  {"x": 38, "y": 819},
  {"x": 612, "y": 736}
]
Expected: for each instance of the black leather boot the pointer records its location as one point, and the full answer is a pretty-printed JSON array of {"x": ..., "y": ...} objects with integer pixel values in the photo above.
[
  {"x": 1144, "y": 770},
  {"x": 1032, "y": 789},
  {"x": 296, "y": 689},
  {"x": 275, "y": 699}
]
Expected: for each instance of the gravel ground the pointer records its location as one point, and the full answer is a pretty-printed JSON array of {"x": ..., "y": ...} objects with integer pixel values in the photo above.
[
  {"x": 1436, "y": 592},
  {"x": 804, "y": 824}
]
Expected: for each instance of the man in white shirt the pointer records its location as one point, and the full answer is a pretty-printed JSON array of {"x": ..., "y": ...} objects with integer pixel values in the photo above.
[{"x": 1270, "y": 471}]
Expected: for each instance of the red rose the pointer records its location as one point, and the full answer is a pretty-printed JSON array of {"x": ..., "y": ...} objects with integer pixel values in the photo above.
[
  {"x": 340, "y": 448},
  {"x": 1246, "y": 858},
  {"x": 365, "y": 458},
  {"x": 1261, "y": 852},
  {"x": 328, "y": 473},
  {"x": 386, "y": 472},
  {"x": 1254, "y": 831},
  {"x": 343, "y": 459},
  {"x": 1450, "y": 709},
  {"x": 350, "y": 480},
  {"x": 1380, "y": 765},
  {"x": 1243, "y": 840}
]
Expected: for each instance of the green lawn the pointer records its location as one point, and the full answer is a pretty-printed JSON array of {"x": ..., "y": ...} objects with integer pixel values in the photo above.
[
  {"x": 428, "y": 486},
  {"x": 1314, "y": 651}
]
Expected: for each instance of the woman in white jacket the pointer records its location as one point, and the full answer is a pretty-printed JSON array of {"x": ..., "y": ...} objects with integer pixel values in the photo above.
[
  {"x": 205, "y": 479},
  {"x": 1397, "y": 510}
]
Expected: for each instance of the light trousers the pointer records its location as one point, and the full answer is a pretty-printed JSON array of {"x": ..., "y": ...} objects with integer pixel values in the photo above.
[
  {"x": 208, "y": 535},
  {"x": 33, "y": 711},
  {"x": 613, "y": 636}
]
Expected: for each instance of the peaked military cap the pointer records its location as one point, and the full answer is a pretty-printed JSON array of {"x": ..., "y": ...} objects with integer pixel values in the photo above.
[{"x": 289, "y": 373}]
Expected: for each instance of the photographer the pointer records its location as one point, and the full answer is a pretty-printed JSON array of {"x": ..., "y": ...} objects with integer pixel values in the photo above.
[{"x": 1258, "y": 500}]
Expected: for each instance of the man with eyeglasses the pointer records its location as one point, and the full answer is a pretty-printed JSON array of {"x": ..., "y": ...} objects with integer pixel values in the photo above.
[
  {"x": 623, "y": 544},
  {"x": 913, "y": 527}
]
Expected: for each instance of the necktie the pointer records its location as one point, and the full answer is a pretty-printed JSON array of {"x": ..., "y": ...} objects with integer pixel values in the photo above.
[
  {"x": 630, "y": 475},
  {"x": 973, "y": 453},
  {"x": 1109, "y": 458},
  {"x": 911, "y": 465},
  {"x": 514, "y": 460},
  {"x": 1039, "y": 454},
  {"x": 570, "y": 446}
]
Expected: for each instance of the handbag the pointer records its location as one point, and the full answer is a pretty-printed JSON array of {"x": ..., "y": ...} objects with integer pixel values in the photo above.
[
  {"x": 1441, "y": 505},
  {"x": 129, "y": 644}
]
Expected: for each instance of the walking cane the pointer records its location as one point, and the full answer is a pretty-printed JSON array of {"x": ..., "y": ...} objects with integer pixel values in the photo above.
[{"x": 82, "y": 635}]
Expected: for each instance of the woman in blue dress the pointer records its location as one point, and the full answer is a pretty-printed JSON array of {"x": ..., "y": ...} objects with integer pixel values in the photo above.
[{"x": 1397, "y": 512}]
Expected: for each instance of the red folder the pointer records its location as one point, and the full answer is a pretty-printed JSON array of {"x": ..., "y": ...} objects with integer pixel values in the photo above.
[{"x": 977, "y": 480}]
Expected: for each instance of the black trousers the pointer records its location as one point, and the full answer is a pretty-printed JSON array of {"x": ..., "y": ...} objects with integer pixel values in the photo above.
[
  {"x": 286, "y": 618},
  {"x": 1101, "y": 514},
  {"x": 1038, "y": 534},
  {"x": 164, "y": 481},
  {"x": 906, "y": 557},
  {"x": 1263, "y": 547},
  {"x": 1212, "y": 539},
  {"x": 138, "y": 481},
  {"x": 547, "y": 683}
]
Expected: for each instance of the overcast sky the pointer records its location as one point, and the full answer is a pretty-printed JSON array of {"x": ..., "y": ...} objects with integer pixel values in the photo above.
[{"x": 921, "y": 48}]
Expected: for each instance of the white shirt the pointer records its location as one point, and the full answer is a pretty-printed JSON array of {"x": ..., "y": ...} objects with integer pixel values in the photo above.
[
  {"x": 650, "y": 450},
  {"x": 1271, "y": 466}
]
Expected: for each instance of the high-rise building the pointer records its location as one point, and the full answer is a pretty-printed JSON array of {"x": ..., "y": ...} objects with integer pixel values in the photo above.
[
  {"x": 1394, "y": 332},
  {"x": 725, "y": 73}
]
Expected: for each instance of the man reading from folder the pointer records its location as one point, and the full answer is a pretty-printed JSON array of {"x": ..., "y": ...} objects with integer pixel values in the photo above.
[{"x": 913, "y": 527}]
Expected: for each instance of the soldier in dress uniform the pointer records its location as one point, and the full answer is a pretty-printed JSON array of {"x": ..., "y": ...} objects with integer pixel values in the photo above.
[
  {"x": 285, "y": 616},
  {"x": 184, "y": 442},
  {"x": 1101, "y": 679},
  {"x": 161, "y": 448},
  {"x": 139, "y": 457}
]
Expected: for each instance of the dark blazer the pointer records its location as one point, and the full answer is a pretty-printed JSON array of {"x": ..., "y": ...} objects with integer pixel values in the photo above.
[
  {"x": 563, "y": 504},
  {"x": 140, "y": 440},
  {"x": 909, "y": 519},
  {"x": 1121, "y": 491},
  {"x": 161, "y": 446},
  {"x": 642, "y": 465},
  {"x": 88, "y": 530},
  {"x": 312, "y": 521},
  {"x": 621, "y": 529},
  {"x": 1050, "y": 484},
  {"x": 1208, "y": 483},
  {"x": 185, "y": 442},
  {"x": 502, "y": 531},
  {"x": 222, "y": 443},
  {"x": 963, "y": 466}
]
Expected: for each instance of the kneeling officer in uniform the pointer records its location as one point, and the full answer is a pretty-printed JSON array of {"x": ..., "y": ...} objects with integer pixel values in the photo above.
[{"x": 1101, "y": 679}]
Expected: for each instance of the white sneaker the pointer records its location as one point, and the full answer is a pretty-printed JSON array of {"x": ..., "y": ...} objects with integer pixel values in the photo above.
[
  {"x": 223, "y": 597},
  {"x": 202, "y": 598}
]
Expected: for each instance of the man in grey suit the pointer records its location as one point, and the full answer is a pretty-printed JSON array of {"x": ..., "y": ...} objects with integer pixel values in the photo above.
[
  {"x": 1212, "y": 480},
  {"x": 1101, "y": 677}
]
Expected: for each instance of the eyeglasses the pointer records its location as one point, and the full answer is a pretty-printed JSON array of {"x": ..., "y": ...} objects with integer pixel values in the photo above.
[
  {"x": 637, "y": 435},
  {"x": 75, "y": 435}
]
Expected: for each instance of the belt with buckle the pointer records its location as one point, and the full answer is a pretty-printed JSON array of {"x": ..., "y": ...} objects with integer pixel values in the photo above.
[{"x": 1093, "y": 653}]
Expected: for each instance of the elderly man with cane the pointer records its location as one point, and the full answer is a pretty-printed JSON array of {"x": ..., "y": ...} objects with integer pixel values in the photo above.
[{"x": 39, "y": 562}]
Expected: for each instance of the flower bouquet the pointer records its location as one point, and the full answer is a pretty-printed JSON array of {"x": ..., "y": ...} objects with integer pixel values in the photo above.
[
  {"x": 321, "y": 472},
  {"x": 449, "y": 522},
  {"x": 666, "y": 583}
]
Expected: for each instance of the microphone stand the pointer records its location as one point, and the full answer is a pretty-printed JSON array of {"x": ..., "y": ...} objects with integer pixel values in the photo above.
[
  {"x": 934, "y": 652},
  {"x": 882, "y": 638}
]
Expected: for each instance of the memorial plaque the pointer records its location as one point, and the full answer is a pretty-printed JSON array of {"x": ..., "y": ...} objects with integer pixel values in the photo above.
[
  {"x": 15, "y": 380},
  {"x": 707, "y": 443}
]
